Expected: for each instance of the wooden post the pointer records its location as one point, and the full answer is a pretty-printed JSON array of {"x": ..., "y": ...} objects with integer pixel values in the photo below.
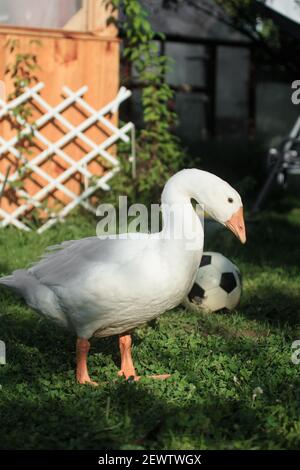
[
  {"x": 211, "y": 84},
  {"x": 252, "y": 95},
  {"x": 94, "y": 17},
  {"x": 98, "y": 15}
]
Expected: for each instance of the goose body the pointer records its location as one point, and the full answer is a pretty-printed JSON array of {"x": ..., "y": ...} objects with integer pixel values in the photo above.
[
  {"x": 109, "y": 286},
  {"x": 89, "y": 290}
]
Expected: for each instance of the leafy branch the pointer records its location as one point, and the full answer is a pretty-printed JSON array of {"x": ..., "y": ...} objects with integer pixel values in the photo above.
[
  {"x": 159, "y": 152},
  {"x": 22, "y": 71}
]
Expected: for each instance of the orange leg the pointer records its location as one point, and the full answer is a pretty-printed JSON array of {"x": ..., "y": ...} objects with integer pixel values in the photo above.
[
  {"x": 127, "y": 368},
  {"x": 82, "y": 349}
]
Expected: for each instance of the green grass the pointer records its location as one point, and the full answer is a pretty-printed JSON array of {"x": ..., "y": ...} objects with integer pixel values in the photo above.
[{"x": 216, "y": 361}]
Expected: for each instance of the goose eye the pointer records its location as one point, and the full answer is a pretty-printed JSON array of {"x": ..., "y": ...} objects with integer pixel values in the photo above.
[{"x": 230, "y": 199}]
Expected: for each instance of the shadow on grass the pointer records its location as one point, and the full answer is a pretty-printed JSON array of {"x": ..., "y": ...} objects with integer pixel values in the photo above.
[
  {"x": 35, "y": 343},
  {"x": 272, "y": 240},
  {"x": 132, "y": 416},
  {"x": 277, "y": 308},
  {"x": 42, "y": 407}
]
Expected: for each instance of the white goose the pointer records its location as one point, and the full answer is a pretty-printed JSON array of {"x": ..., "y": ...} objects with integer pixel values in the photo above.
[{"x": 108, "y": 287}]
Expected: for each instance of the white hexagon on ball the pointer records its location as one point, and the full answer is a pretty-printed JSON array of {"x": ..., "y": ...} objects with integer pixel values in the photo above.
[
  {"x": 215, "y": 300},
  {"x": 208, "y": 277},
  {"x": 233, "y": 298}
]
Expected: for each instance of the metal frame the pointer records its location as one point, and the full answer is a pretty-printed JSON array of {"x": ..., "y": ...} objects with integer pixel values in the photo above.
[{"x": 282, "y": 161}]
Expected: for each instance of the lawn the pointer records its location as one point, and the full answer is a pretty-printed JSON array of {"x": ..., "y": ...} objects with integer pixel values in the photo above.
[{"x": 217, "y": 362}]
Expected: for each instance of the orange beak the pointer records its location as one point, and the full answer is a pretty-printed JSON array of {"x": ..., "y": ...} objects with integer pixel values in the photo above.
[{"x": 237, "y": 225}]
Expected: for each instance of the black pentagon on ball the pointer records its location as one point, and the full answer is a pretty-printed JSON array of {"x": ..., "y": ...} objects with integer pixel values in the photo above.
[
  {"x": 228, "y": 282},
  {"x": 196, "y": 293},
  {"x": 205, "y": 260}
]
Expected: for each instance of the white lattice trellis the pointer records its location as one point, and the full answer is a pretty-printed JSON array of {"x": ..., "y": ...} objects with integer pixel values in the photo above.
[{"x": 71, "y": 132}]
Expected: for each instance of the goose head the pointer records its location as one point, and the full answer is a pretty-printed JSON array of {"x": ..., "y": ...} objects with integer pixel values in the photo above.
[
  {"x": 220, "y": 200},
  {"x": 223, "y": 203}
]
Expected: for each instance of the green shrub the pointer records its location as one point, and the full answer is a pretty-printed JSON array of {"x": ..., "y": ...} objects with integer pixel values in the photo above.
[{"x": 159, "y": 153}]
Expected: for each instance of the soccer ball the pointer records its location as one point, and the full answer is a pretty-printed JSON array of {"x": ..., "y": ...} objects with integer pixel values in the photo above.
[{"x": 218, "y": 284}]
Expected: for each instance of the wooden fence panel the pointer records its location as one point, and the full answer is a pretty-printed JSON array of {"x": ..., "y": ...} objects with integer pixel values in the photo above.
[{"x": 70, "y": 60}]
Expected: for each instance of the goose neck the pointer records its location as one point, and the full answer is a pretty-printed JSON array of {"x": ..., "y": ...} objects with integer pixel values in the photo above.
[{"x": 180, "y": 220}]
